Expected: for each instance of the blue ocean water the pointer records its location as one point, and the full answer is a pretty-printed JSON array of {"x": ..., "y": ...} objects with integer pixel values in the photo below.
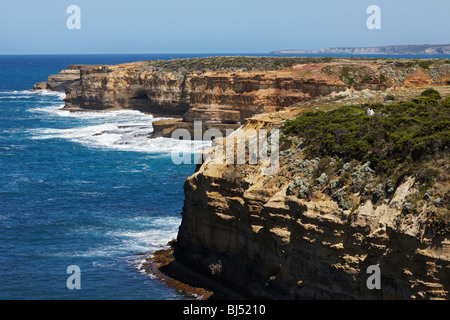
[{"x": 85, "y": 189}]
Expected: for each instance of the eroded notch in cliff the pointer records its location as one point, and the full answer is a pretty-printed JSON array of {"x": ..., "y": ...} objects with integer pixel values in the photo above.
[{"x": 140, "y": 95}]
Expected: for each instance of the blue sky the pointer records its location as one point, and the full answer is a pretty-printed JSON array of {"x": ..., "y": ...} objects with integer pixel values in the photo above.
[{"x": 212, "y": 26}]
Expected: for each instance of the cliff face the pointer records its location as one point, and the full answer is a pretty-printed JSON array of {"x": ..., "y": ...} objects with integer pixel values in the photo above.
[
  {"x": 252, "y": 233},
  {"x": 222, "y": 97},
  {"x": 230, "y": 96},
  {"x": 249, "y": 231},
  {"x": 61, "y": 81},
  {"x": 120, "y": 86},
  {"x": 399, "y": 49}
]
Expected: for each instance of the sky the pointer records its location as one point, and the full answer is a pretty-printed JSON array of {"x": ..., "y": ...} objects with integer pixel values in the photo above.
[{"x": 213, "y": 26}]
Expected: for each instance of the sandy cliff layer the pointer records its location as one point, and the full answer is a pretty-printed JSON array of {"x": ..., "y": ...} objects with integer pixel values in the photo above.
[
  {"x": 222, "y": 97},
  {"x": 61, "y": 81},
  {"x": 398, "y": 49},
  {"x": 227, "y": 96},
  {"x": 249, "y": 232}
]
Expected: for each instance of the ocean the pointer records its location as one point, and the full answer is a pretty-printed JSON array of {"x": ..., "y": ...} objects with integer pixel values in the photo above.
[
  {"x": 84, "y": 189},
  {"x": 71, "y": 196}
]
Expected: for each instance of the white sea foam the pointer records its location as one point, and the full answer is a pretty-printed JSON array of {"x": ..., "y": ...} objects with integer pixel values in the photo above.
[
  {"x": 10, "y": 97},
  {"x": 125, "y": 241},
  {"x": 157, "y": 232},
  {"x": 160, "y": 231},
  {"x": 30, "y": 93},
  {"x": 115, "y": 136},
  {"x": 124, "y": 130},
  {"x": 50, "y": 93},
  {"x": 100, "y": 116}
]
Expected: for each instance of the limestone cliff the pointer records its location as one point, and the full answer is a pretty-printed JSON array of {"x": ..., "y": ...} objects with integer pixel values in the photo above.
[
  {"x": 61, "y": 81},
  {"x": 257, "y": 234},
  {"x": 221, "y": 97},
  {"x": 230, "y": 89},
  {"x": 252, "y": 232}
]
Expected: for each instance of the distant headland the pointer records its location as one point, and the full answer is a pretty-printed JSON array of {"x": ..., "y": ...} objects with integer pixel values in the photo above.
[{"x": 395, "y": 49}]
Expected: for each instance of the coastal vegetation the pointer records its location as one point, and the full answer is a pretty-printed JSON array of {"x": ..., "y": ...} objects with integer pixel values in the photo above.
[
  {"x": 403, "y": 138},
  {"x": 229, "y": 63}
]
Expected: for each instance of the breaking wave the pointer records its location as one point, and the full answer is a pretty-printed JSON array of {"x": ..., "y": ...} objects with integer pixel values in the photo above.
[{"x": 124, "y": 130}]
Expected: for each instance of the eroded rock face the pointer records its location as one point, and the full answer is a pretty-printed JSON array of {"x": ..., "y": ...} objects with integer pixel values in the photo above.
[
  {"x": 229, "y": 97},
  {"x": 61, "y": 81},
  {"x": 221, "y": 97},
  {"x": 249, "y": 232},
  {"x": 253, "y": 232},
  {"x": 123, "y": 87},
  {"x": 166, "y": 129}
]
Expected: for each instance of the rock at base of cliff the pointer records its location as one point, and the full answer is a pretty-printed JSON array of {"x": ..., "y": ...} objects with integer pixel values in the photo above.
[
  {"x": 164, "y": 267},
  {"x": 166, "y": 128},
  {"x": 40, "y": 86}
]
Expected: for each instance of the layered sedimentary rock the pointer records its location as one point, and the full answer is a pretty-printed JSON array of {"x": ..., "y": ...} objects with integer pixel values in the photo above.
[
  {"x": 222, "y": 97},
  {"x": 247, "y": 230},
  {"x": 60, "y": 82},
  {"x": 228, "y": 97},
  {"x": 193, "y": 130},
  {"x": 399, "y": 49},
  {"x": 251, "y": 233},
  {"x": 231, "y": 96}
]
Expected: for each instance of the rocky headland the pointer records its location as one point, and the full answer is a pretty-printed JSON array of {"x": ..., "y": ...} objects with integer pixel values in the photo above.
[
  {"x": 395, "y": 49},
  {"x": 225, "y": 91},
  {"x": 373, "y": 191},
  {"x": 311, "y": 232}
]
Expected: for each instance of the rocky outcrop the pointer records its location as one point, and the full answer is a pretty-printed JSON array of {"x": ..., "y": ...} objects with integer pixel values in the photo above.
[
  {"x": 123, "y": 87},
  {"x": 166, "y": 129},
  {"x": 258, "y": 235},
  {"x": 221, "y": 97},
  {"x": 227, "y": 97},
  {"x": 61, "y": 81},
  {"x": 399, "y": 49}
]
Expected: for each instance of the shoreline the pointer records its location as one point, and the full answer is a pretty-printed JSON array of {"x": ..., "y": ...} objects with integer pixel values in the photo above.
[
  {"x": 160, "y": 259},
  {"x": 159, "y": 264},
  {"x": 201, "y": 250},
  {"x": 162, "y": 265}
]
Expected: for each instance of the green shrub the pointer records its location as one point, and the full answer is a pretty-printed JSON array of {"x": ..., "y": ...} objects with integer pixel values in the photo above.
[
  {"x": 425, "y": 64},
  {"x": 400, "y": 135},
  {"x": 230, "y": 63},
  {"x": 285, "y": 143},
  {"x": 323, "y": 166},
  {"x": 425, "y": 101},
  {"x": 366, "y": 78},
  {"x": 434, "y": 94},
  {"x": 446, "y": 103}
]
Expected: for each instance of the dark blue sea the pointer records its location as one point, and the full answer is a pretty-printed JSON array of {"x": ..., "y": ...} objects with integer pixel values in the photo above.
[{"x": 84, "y": 189}]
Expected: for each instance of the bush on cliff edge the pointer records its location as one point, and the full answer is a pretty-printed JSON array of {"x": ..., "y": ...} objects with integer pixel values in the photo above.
[
  {"x": 406, "y": 138},
  {"x": 399, "y": 134}
]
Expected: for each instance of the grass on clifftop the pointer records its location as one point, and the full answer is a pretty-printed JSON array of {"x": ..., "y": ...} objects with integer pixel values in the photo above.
[
  {"x": 406, "y": 138},
  {"x": 230, "y": 63}
]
